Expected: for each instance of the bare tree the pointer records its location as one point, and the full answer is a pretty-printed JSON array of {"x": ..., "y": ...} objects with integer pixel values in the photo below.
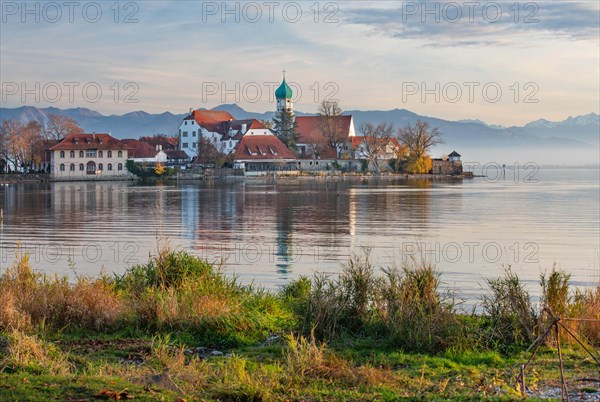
[
  {"x": 419, "y": 138},
  {"x": 19, "y": 141},
  {"x": 377, "y": 140},
  {"x": 331, "y": 126},
  {"x": 58, "y": 127}
]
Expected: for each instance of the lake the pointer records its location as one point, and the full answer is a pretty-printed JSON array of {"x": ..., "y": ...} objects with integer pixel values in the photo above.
[{"x": 269, "y": 233}]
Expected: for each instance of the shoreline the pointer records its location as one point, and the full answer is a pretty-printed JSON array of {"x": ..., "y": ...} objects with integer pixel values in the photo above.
[{"x": 6, "y": 179}]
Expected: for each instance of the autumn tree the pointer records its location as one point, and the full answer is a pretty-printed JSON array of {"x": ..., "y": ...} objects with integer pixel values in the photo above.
[
  {"x": 19, "y": 141},
  {"x": 58, "y": 127},
  {"x": 331, "y": 125},
  {"x": 376, "y": 142},
  {"x": 418, "y": 139},
  {"x": 285, "y": 128}
]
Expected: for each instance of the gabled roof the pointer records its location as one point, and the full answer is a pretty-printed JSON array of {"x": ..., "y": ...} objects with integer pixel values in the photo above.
[
  {"x": 454, "y": 153},
  {"x": 89, "y": 141},
  {"x": 309, "y": 131},
  {"x": 265, "y": 147},
  {"x": 140, "y": 149},
  {"x": 236, "y": 126},
  {"x": 176, "y": 154},
  {"x": 209, "y": 119},
  {"x": 354, "y": 142}
]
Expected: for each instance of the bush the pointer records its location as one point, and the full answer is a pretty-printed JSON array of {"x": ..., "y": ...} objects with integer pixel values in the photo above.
[{"x": 509, "y": 316}]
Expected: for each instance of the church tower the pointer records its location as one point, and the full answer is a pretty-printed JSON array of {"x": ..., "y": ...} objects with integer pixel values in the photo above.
[{"x": 283, "y": 95}]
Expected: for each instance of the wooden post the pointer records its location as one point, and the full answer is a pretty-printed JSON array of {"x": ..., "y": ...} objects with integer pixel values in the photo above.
[
  {"x": 522, "y": 380},
  {"x": 564, "y": 391}
]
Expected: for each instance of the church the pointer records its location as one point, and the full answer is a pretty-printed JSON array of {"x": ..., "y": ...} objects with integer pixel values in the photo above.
[{"x": 254, "y": 146}]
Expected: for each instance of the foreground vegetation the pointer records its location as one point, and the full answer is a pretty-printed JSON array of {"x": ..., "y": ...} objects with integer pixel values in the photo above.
[{"x": 177, "y": 327}]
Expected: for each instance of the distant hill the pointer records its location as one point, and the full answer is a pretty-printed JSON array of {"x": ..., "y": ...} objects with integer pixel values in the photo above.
[{"x": 574, "y": 140}]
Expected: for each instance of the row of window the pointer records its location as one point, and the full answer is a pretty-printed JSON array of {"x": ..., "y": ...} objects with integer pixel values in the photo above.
[
  {"x": 185, "y": 133},
  {"x": 92, "y": 153},
  {"x": 92, "y": 166},
  {"x": 195, "y": 144}
]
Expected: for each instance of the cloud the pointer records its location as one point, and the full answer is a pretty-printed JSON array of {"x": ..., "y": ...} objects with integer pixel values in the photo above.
[{"x": 451, "y": 24}]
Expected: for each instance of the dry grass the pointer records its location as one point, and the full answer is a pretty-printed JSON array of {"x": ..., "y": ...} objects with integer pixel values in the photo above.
[
  {"x": 33, "y": 298},
  {"x": 29, "y": 353}
]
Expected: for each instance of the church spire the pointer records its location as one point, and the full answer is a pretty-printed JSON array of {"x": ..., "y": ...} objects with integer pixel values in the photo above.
[{"x": 284, "y": 95}]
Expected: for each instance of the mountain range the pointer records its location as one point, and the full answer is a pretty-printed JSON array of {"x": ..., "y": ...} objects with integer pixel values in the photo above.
[{"x": 574, "y": 140}]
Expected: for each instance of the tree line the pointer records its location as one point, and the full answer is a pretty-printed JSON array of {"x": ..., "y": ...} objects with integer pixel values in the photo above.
[
  {"x": 23, "y": 145},
  {"x": 404, "y": 148}
]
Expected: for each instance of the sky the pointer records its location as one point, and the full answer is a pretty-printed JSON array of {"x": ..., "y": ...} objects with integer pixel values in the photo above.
[{"x": 505, "y": 63}]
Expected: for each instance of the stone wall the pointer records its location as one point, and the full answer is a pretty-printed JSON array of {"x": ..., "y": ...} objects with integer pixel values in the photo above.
[{"x": 445, "y": 167}]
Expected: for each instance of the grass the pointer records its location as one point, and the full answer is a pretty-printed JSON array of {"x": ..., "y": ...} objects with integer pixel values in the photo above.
[{"x": 359, "y": 335}]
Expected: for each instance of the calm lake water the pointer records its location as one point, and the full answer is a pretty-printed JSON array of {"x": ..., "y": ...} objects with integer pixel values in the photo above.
[{"x": 269, "y": 233}]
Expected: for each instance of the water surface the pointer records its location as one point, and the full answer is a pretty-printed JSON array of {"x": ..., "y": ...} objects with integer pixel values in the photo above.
[{"x": 271, "y": 232}]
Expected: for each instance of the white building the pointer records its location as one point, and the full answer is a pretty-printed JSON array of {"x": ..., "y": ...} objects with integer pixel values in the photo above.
[
  {"x": 219, "y": 128},
  {"x": 88, "y": 156}
]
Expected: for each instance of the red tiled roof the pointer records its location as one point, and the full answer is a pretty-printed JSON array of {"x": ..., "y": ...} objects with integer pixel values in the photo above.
[
  {"x": 89, "y": 141},
  {"x": 206, "y": 118},
  {"x": 308, "y": 128},
  {"x": 259, "y": 147},
  {"x": 140, "y": 149}
]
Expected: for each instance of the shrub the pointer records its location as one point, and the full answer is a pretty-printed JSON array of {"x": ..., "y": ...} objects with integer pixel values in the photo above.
[{"x": 510, "y": 319}]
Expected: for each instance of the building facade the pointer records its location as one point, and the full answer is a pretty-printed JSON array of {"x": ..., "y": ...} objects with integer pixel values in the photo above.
[{"x": 88, "y": 156}]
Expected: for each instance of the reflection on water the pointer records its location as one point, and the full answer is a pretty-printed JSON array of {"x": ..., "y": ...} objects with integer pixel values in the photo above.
[{"x": 268, "y": 233}]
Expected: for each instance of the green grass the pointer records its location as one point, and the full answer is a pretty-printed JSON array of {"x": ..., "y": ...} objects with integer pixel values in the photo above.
[{"x": 358, "y": 336}]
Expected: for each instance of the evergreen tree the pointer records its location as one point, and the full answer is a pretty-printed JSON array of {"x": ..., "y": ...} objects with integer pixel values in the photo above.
[{"x": 285, "y": 128}]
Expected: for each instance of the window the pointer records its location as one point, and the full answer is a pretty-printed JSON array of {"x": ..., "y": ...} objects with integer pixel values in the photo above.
[
  {"x": 62, "y": 154},
  {"x": 184, "y": 145},
  {"x": 72, "y": 167},
  {"x": 100, "y": 167},
  {"x": 193, "y": 133},
  {"x": 100, "y": 154},
  {"x": 109, "y": 154},
  {"x": 72, "y": 154},
  {"x": 109, "y": 167},
  {"x": 185, "y": 133},
  {"x": 81, "y": 154},
  {"x": 120, "y": 155},
  {"x": 185, "y": 122},
  {"x": 120, "y": 166},
  {"x": 62, "y": 166},
  {"x": 81, "y": 166},
  {"x": 195, "y": 145},
  {"x": 91, "y": 153}
]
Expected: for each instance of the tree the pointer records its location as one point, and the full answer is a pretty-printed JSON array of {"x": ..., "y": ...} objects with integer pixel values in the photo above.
[
  {"x": 331, "y": 126},
  {"x": 285, "y": 127},
  {"x": 19, "y": 141},
  {"x": 267, "y": 123},
  {"x": 419, "y": 138},
  {"x": 58, "y": 127},
  {"x": 376, "y": 141}
]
